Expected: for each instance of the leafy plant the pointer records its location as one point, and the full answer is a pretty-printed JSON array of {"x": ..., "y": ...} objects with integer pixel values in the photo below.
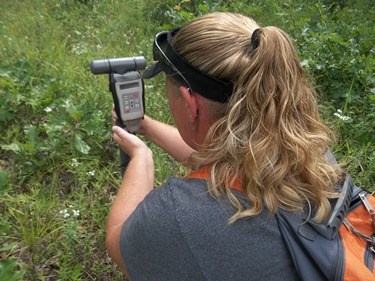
[
  {"x": 8, "y": 270},
  {"x": 59, "y": 168}
]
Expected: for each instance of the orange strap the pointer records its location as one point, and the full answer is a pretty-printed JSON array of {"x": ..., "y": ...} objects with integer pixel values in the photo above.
[
  {"x": 203, "y": 173},
  {"x": 355, "y": 268}
]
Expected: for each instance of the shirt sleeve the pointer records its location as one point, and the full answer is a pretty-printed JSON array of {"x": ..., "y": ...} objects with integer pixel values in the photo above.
[{"x": 152, "y": 246}]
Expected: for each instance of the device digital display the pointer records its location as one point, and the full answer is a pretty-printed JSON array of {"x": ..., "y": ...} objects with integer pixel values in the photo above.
[{"x": 129, "y": 85}]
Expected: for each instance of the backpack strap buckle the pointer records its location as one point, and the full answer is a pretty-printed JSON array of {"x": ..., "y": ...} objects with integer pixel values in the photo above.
[
  {"x": 368, "y": 206},
  {"x": 353, "y": 230}
]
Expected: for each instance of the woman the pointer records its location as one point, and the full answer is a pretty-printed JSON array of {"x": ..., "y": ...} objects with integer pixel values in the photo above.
[{"x": 248, "y": 124}]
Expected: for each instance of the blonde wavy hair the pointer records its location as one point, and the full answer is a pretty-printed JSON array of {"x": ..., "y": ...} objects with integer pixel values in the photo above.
[{"x": 271, "y": 136}]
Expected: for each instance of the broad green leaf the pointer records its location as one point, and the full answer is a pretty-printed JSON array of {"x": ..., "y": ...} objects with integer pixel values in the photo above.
[
  {"x": 29, "y": 147},
  {"x": 6, "y": 114},
  {"x": 81, "y": 145},
  {"x": 76, "y": 114},
  {"x": 4, "y": 186},
  {"x": 6, "y": 248},
  {"x": 7, "y": 272},
  {"x": 203, "y": 8},
  {"x": 12, "y": 147}
]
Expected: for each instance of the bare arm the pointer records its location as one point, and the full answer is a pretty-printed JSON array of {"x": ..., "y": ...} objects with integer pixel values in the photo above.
[
  {"x": 136, "y": 184},
  {"x": 165, "y": 136}
]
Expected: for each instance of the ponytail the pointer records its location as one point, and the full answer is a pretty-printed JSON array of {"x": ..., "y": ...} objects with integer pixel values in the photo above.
[{"x": 271, "y": 136}]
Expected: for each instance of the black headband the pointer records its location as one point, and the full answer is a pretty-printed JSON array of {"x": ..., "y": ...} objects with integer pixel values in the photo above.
[{"x": 170, "y": 62}]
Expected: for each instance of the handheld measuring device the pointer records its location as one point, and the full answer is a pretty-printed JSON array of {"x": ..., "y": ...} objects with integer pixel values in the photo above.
[{"x": 127, "y": 88}]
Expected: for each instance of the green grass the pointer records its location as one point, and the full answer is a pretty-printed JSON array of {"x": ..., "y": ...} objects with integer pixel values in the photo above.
[{"x": 59, "y": 168}]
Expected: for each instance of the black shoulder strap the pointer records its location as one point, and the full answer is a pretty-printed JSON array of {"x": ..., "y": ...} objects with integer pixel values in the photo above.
[
  {"x": 313, "y": 255},
  {"x": 316, "y": 249}
]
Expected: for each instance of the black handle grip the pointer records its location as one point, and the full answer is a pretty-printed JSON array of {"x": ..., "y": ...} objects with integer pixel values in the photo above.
[{"x": 124, "y": 161}]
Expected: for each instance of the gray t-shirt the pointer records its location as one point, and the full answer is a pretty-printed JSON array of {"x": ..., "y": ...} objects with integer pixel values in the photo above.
[{"x": 180, "y": 232}]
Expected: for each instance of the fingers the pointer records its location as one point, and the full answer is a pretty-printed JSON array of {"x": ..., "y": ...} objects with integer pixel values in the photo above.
[
  {"x": 118, "y": 134},
  {"x": 144, "y": 123},
  {"x": 122, "y": 137},
  {"x": 114, "y": 115},
  {"x": 130, "y": 143}
]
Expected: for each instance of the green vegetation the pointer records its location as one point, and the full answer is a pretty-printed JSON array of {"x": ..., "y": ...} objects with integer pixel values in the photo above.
[{"x": 59, "y": 167}]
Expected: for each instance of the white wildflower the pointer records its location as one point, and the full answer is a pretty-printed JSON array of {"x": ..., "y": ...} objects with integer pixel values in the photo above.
[
  {"x": 345, "y": 118},
  {"x": 48, "y": 109},
  {"x": 74, "y": 163},
  {"x": 149, "y": 86},
  {"x": 64, "y": 213},
  {"x": 79, "y": 49},
  {"x": 91, "y": 173},
  {"x": 339, "y": 115},
  {"x": 75, "y": 213},
  {"x": 304, "y": 63}
]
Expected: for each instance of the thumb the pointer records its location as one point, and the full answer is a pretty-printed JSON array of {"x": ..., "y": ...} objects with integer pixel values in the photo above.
[{"x": 128, "y": 142}]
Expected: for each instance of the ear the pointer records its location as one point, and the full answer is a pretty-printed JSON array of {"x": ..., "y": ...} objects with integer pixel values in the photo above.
[{"x": 191, "y": 102}]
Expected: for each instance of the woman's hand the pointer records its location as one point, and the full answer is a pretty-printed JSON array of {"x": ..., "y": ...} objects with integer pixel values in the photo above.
[
  {"x": 165, "y": 136},
  {"x": 129, "y": 143},
  {"x": 143, "y": 125}
]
